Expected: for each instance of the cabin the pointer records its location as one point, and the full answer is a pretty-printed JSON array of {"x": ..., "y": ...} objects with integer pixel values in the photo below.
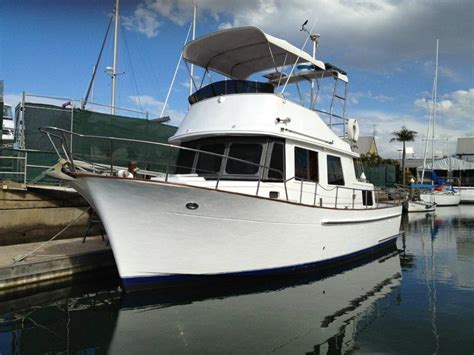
[{"x": 243, "y": 131}]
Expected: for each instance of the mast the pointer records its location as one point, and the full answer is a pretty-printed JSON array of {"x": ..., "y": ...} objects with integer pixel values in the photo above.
[
  {"x": 114, "y": 65},
  {"x": 94, "y": 68},
  {"x": 435, "y": 90},
  {"x": 193, "y": 37}
]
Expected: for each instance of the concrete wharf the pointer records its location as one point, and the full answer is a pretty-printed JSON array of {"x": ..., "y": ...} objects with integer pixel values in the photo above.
[{"x": 56, "y": 260}]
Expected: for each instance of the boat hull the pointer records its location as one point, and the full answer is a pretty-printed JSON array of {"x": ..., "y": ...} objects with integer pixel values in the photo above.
[
  {"x": 467, "y": 194},
  {"x": 420, "y": 206},
  {"x": 161, "y": 232},
  {"x": 442, "y": 198}
]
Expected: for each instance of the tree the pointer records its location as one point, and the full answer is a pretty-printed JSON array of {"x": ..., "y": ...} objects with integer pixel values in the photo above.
[{"x": 403, "y": 135}]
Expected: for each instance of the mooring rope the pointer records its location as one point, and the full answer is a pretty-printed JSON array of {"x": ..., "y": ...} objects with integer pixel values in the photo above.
[{"x": 21, "y": 258}]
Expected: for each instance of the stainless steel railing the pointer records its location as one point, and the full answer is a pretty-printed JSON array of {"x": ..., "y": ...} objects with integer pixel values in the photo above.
[{"x": 59, "y": 138}]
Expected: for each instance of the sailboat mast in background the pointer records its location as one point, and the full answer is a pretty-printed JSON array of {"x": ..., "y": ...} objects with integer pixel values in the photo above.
[
  {"x": 114, "y": 65},
  {"x": 191, "y": 78},
  {"x": 434, "y": 95}
]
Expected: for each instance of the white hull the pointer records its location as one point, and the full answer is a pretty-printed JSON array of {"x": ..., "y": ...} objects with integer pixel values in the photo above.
[
  {"x": 420, "y": 206},
  {"x": 442, "y": 198},
  {"x": 467, "y": 194},
  {"x": 154, "y": 235}
]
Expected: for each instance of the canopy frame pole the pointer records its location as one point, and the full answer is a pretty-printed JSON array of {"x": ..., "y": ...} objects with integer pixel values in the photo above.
[
  {"x": 192, "y": 79},
  {"x": 318, "y": 86},
  {"x": 203, "y": 77},
  {"x": 281, "y": 73},
  {"x": 208, "y": 73},
  {"x": 299, "y": 94},
  {"x": 273, "y": 58}
]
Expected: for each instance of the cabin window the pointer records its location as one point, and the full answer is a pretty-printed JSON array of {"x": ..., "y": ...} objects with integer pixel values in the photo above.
[
  {"x": 335, "y": 175},
  {"x": 277, "y": 162},
  {"x": 250, "y": 149},
  {"x": 245, "y": 151},
  {"x": 367, "y": 199},
  {"x": 185, "y": 161},
  {"x": 208, "y": 163},
  {"x": 306, "y": 164}
]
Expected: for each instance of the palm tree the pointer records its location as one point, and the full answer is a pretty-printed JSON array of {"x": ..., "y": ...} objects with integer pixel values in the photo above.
[{"x": 403, "y": 135}]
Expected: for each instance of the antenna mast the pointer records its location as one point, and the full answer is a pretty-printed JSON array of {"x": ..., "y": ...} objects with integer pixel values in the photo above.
[{"x": 314, "y": 38}]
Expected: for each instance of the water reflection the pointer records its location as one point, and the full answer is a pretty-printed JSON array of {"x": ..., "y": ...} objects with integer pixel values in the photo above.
[
  {"x": 437, "y": 289},
  {"x": 315, "y": 313}
]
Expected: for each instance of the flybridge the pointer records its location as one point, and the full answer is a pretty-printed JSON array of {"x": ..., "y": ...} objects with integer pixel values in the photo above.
[{"x": 239, "y": 53}]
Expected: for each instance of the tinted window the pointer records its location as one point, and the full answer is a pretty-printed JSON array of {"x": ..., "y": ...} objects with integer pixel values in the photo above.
[
  {"x": 306, "y": 164},
  {"x": 208, "y": 163},
  {"x": 277, "y": 162},
  {"x": 248, "y": 152},
  {"x": 185, "y": 162},
  {"x": 335, "y": 175},
  {"x": 367, "y": 198}
]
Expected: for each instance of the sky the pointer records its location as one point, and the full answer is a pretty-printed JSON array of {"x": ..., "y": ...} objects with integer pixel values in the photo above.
[{"x": 387, "y": 47}]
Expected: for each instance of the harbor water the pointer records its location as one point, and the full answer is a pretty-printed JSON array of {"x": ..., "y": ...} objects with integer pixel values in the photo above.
[{"x": 417, "y": 298}]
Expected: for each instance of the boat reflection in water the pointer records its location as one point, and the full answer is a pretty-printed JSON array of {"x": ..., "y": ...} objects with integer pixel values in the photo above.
[{"x": 309, "y": 312}]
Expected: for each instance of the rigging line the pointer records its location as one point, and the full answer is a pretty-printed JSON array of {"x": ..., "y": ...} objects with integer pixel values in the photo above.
[
  {"x": 175, "y": 72},
  {"x": 134, "y": 80},
  {"x": 143, "y": 55},
  {"x": 91, "y": 82}
]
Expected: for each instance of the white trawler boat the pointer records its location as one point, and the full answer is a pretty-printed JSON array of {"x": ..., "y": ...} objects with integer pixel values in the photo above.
[{"x": 261, "y": 184}]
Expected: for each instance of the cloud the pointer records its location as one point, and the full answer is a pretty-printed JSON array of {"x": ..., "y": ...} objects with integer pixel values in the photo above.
[
  {"x": 142, "y": 21},
  {"x": 355, "y": 97},
  {"x": 369, "y": 33},
  {"x": 454, "y": 119},
  {"x": 457, "y": 105}
]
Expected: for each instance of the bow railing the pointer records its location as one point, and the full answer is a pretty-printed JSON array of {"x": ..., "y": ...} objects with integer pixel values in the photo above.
[{"x": 164, "y": 165}]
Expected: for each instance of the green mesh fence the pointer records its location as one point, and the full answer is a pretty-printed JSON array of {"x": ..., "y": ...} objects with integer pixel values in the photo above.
[
  {"x": 12, "y": 165},
  {"x": 381, "y": 176},
  {"x": 147, "y": 156}
]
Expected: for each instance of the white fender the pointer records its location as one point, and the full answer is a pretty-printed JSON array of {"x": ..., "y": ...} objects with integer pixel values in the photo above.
[{"x": 353, "y": 129}]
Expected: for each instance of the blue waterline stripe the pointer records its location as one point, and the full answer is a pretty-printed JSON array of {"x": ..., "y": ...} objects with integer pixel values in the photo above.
[{"x": 143, "y": 280}]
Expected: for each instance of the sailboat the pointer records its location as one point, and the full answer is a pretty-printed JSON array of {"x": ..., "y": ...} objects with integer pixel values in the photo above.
[{"x": 440, "y": 193}]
